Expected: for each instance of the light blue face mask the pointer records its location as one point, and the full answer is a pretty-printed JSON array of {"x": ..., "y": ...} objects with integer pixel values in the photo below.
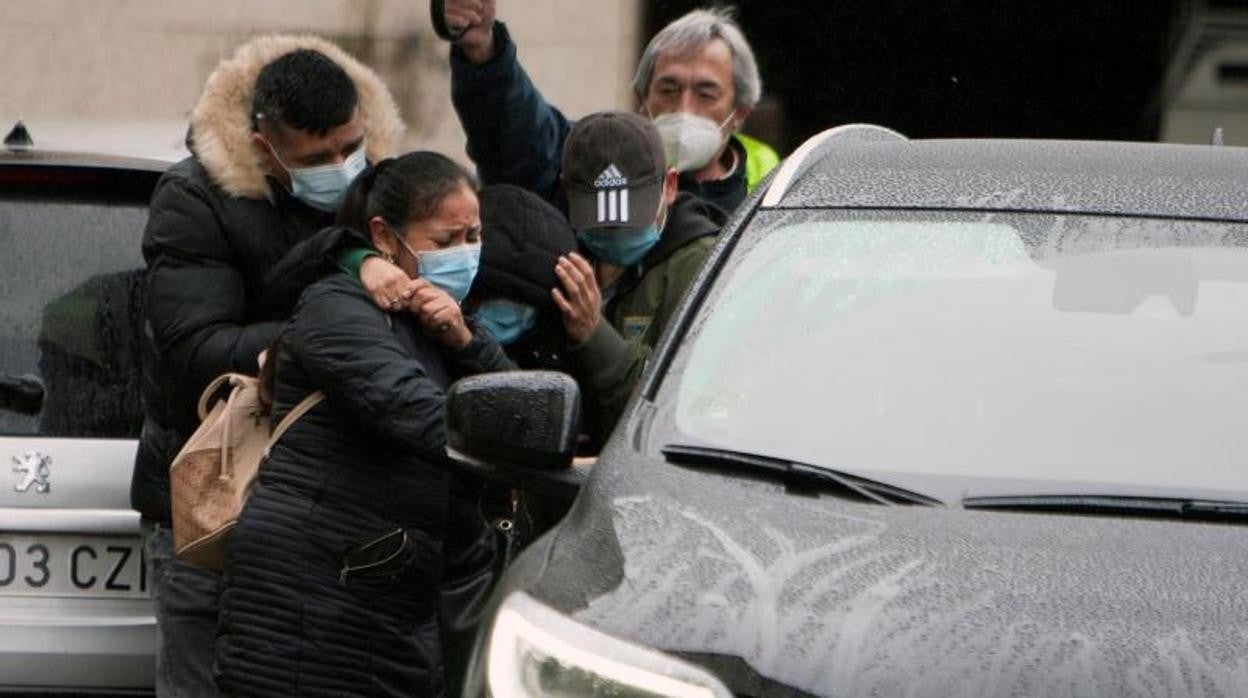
[
  {"x": 451, "y": 270},
  {"x": 324, "y": 186},
  {"x": 506, "y": 320},
  {"x": 623, "y": 248}
]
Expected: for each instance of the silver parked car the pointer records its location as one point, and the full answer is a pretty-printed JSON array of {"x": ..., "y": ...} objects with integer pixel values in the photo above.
[{"x": 74, "y": 601}]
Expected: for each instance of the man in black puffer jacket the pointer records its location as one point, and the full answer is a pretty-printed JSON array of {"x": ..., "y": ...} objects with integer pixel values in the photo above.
[{"x": 278, "y": 133}]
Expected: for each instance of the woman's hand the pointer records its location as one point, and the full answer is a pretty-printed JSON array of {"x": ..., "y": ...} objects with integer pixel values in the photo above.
[
  {"x": 439, "y": 314},
  {"x": 581, "y": 301},
  {"x": 389, "y": 286}
]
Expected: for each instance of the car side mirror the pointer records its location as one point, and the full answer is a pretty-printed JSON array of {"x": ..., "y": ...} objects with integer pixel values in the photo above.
[{"x": 519, "y": 427}]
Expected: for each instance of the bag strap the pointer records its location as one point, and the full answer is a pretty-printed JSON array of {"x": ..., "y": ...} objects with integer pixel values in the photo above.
[
  {"x": 292, "y": 416},
  {"x": 213, "y": 388},
  {"x": 227, "y": 464}
]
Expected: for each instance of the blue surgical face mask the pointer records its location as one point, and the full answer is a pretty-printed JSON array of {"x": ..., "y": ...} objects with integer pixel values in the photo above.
[
  {"x": 506, "y": 320},
  {"x": 451, "y": 270},
  {"x": 623, "y": 248},
  {"x": 324, "y": 186}
]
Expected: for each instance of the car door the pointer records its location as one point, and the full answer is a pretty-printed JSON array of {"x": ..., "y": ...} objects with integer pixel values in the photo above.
[{"x": 74, "y": 599}]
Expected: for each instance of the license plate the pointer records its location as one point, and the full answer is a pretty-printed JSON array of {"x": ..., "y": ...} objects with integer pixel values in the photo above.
[{"x": 65, "y": 565}]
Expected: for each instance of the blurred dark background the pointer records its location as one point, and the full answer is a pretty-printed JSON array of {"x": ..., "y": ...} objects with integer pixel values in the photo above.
[{"x": 1100, "y": 69}]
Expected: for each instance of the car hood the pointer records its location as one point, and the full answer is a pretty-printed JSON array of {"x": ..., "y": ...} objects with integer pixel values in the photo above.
[{"x": 826, "y": 596}]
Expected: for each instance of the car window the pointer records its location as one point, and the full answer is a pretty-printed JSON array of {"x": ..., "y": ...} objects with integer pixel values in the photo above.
[
  {"x": 1038, "y": 347},
  {"x": 70, "y": 289}
]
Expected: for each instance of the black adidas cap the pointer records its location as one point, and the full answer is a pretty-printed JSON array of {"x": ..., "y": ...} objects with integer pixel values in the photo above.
[{"x": 613, "y": 167}]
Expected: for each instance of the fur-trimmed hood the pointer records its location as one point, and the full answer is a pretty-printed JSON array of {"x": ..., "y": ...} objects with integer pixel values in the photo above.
[{"x": 221, "y": 121}]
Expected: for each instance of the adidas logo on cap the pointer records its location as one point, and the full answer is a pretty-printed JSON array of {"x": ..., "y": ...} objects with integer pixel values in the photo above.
[
  {"x": 610, "y": 179},
  {"x": 612, "y": 196}
]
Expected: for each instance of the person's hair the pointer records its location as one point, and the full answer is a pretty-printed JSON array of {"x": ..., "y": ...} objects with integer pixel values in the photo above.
[
  {"x": 401, "y": 190},
  {"x": 690, "y": 34},
  {"x": 305, "y": 90}
]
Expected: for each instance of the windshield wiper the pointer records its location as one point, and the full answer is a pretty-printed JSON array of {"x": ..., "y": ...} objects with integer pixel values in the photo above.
[
  {"x": 795, "y": 474},
  {"x": 1178, "y": 508}
]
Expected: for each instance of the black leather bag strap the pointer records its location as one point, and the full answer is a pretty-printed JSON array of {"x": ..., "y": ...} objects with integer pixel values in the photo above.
[{"x": 469, "y": 579}]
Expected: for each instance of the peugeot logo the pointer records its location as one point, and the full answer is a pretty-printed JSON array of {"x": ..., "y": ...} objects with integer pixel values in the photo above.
[{"x": 34, "y": 469}]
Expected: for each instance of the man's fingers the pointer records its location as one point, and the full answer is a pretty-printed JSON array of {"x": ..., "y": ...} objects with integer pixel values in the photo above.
[
  {"x": 442, "y": 316},
  {"x": 582, "y": 265},
  {"x": 572, "y": 279},
  {"x": 436, "y": 306},
  {"x": 460, "y": 15},
  {"x": 463, "y": 6},
  {"x": 417, "y": 304},
  {"x": 589, "y": 283},
  {"x": 427, "y": 294},
  {"x": 562, "y": 302},
  {"x": 409, "y": 288},
  {"x": 569, "y": 284},
  {"x": 443, "y": 319},
  {"x": 439, "y": 308},
  {"x": 582, "y": 271},
  {"x": 462, "y": 20}
]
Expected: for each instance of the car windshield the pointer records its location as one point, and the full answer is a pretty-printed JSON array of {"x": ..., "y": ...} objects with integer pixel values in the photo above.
[{"x": 1074, "y": 353}]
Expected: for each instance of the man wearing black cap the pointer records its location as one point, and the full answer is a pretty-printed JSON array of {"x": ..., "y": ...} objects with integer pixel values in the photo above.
[{"x": 646, "y": 241}]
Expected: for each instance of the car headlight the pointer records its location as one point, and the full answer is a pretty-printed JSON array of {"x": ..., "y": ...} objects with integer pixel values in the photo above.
[{"x": 536, "y": 651}]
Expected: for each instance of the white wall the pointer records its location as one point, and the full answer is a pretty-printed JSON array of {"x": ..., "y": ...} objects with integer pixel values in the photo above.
[{"x": 141, "y": 63}]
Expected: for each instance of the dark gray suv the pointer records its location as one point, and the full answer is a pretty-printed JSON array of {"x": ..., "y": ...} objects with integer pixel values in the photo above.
[{"x": 939, "y": 418}]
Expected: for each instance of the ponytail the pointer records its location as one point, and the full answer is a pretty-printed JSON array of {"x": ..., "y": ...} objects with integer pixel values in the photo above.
[{"x": 354, "y": 211}]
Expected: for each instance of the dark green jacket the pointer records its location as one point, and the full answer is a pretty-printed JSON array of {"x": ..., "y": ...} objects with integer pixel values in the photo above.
[{"x": 643, "y": 303}]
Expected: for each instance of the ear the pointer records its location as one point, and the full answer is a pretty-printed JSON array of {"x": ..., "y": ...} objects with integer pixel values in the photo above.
[
  {"x": 382, "y": 238},
  {"x": 264, "y": 151},
  {"x": 671, "y": 184},
  {"x": 739, "y": 115}
]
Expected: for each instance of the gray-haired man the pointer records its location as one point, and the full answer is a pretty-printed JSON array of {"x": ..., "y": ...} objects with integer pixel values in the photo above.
[{"x": 697, "y": 80}]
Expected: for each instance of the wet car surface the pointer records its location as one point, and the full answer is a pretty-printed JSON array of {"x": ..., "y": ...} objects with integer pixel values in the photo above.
[{"x": 939, "y": 418}]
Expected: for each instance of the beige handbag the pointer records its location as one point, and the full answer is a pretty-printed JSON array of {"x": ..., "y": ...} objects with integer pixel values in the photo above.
[{"x": 211, "y": 476}]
